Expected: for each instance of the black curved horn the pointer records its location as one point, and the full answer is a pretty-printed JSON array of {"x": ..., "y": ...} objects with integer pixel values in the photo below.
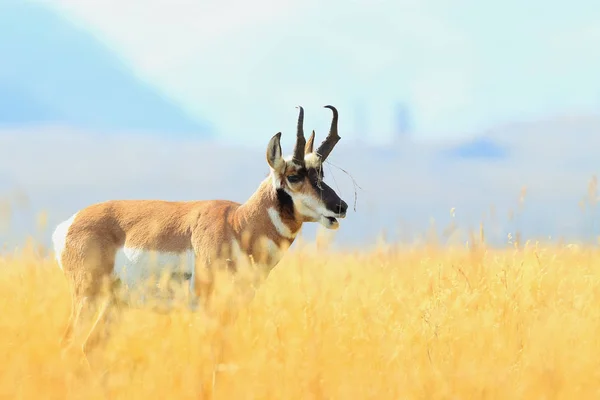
[
  {"x": 298, "y": 156},
  {"x": 332, "y": 138}
]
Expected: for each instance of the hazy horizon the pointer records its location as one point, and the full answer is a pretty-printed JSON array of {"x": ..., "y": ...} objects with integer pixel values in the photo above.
[
  {"x": 403, "y": 185},
  {"x": 463, "y": 104}
]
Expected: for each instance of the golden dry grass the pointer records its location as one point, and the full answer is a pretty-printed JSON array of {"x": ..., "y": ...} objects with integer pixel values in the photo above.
[{"x": 387, "y": 324}]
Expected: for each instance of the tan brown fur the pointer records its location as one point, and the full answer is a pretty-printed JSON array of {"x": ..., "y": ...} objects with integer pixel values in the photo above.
[
  {"x": 204, "y": 226},
  {"x": 220, "y": 232}
]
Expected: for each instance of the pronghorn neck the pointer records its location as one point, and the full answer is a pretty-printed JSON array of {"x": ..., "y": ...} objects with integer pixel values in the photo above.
[{"x": 269, "y": 209}]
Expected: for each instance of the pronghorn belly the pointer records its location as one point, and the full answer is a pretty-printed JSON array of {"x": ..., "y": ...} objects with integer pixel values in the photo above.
[{"x": 135, "y": 266}]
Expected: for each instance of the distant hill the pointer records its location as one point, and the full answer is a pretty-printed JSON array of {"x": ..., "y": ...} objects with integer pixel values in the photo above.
[
  {"x": 554, "y": 136},
  {"x": 481, "y": 148},
  {"x": 52, "y": 71}
]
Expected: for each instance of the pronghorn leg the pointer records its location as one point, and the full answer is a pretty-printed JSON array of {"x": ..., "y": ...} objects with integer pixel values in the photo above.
[
  {"x": 192, "y": 295},
  {"x": 92, "y": 290},
  {"x": 94, "y": 320},
  {"x": 75, "y": 310},
  {"x": 103, "y": 312},
  {"x": 203, "y": 283},
  {"x": 92, "y": 338}
]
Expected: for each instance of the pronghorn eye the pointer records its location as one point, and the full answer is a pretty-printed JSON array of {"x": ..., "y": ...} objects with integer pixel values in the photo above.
[{"x": 294, "y": 178}]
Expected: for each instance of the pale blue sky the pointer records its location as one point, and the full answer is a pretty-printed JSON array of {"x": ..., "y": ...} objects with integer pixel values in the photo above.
[{"x": 462, "y": 65}]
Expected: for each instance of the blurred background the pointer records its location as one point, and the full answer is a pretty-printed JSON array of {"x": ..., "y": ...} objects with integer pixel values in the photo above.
[{"x": 451, "y": 112}]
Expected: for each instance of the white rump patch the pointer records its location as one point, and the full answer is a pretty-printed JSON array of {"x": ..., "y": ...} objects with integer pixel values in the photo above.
[
  {"x": 133, "y": 266},
  {"x": 280, "y": 226},
  {"x": 59, "y": 238}
]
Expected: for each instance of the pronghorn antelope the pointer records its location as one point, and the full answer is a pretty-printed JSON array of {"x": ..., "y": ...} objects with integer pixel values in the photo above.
[{"x": 211, "y": 232}]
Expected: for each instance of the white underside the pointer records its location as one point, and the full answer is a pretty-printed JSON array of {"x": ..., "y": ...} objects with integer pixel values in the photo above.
[
  {"x": 137, "y": 266},
  {"x": 133, "y": 266}
]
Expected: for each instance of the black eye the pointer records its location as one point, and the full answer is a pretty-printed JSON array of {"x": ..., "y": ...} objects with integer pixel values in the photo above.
[{"x": 294, "y": 178}]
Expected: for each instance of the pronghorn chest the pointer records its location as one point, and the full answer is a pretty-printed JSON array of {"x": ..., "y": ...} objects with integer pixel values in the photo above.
[
  {"x": 274, "y": 254},
  {"x": 265, "y": 253}
]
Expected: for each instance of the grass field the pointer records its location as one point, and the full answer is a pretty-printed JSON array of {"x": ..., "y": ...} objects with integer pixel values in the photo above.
[{"x": 385, "y": 323}]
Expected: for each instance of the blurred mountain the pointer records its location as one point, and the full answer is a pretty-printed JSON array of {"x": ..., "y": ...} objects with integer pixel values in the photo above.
[
  {"x": 51, "y": 71},
  {"x": 554, "y": 136},
  {"x": 479, "y": 147}
]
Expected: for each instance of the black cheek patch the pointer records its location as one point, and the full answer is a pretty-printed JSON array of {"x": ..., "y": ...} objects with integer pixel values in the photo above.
[
  {"x": 286, "y": 204},
  {"x": 315, "y": 180}
]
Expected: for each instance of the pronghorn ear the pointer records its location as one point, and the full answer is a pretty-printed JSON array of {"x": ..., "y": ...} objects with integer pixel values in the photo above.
[{"x": 274, "y": 157}]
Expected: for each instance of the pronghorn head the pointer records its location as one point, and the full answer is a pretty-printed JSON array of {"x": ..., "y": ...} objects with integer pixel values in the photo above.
[{"x": 298, "y": 179}]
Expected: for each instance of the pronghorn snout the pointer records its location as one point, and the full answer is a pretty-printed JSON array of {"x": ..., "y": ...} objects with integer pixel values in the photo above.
[
  {"x": 332, "y": 201},
  {"x": 341, "y": 208},
  {"x": 338, "y": 208}
]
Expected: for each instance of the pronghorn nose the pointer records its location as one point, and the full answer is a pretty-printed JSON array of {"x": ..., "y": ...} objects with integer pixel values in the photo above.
[{"x": 342, "y": 207}]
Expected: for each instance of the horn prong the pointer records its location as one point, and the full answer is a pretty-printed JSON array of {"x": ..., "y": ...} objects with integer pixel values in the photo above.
[{"x": 310, "y": 143}]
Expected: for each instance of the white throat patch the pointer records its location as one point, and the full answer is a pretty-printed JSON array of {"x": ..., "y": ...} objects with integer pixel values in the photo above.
[{"x": 280, "y": 226}]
